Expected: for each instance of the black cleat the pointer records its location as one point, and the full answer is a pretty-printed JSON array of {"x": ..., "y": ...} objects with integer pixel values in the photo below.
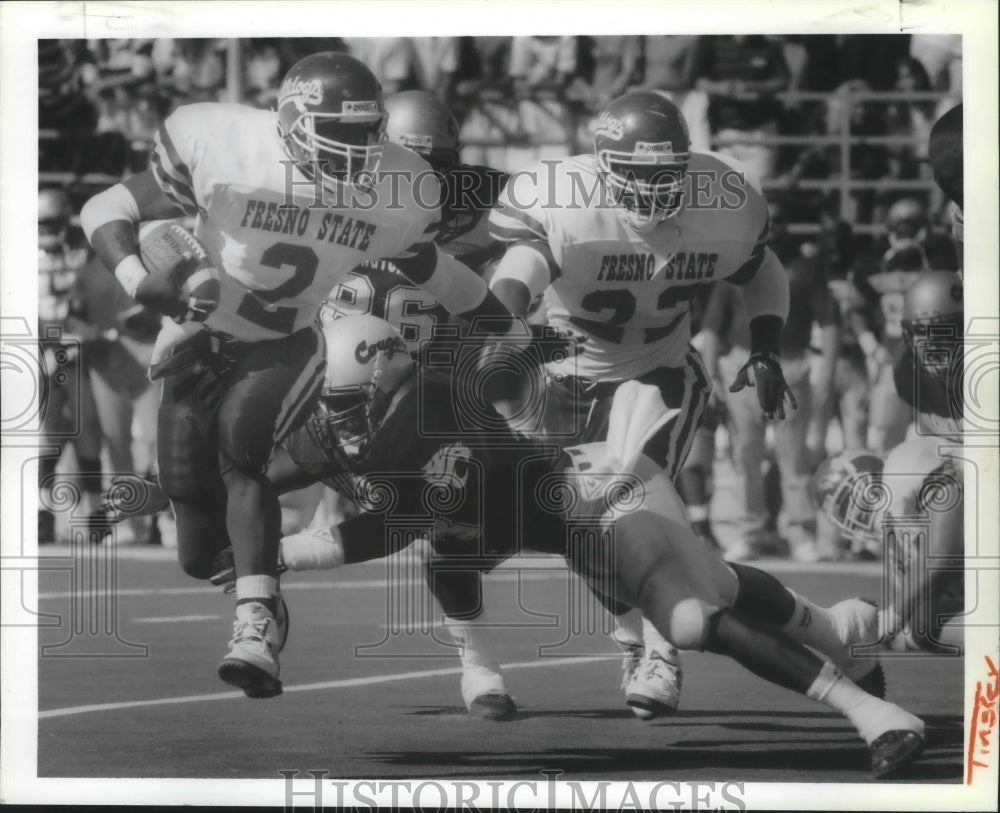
[
  {"x": 254, "y": 682},
  {"x": 493, "y": 706},
  {"x": 894, "y": 750}
]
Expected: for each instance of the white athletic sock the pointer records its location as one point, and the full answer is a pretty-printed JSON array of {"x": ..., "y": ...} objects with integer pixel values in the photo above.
[
  {"x": 871, "y": 717},
  {"x": 657, "y": 643},
  {"x": 256, "y": 586},
  {"x": 628, "y": 628},
  {"x": 480, "y": 668},
  {"x": 814, "y": 626}
]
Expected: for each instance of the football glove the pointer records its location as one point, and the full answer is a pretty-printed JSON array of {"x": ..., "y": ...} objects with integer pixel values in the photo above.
[
  {"x": 162, "y": 292},
  {"x": 769, "y": 381}
]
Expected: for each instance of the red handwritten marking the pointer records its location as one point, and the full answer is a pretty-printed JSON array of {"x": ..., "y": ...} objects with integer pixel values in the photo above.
[{"x": 984, "y": 718}]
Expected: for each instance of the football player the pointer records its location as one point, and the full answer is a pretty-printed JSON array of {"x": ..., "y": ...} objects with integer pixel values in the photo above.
[
  {"x": 882, "y": 278},
  {"x": 481, "y": 493},
  {"x": 620, "y": 242},
  {"x": 286, "y": 204},
  {"x": 421, "y": 122},
  {"x": 912, "y": 506}
]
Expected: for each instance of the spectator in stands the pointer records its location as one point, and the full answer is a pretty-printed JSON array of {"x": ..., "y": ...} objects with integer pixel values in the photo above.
[
  {"x": 542, "y": 69},
  {"x": 741, "y": 74},
  {"x": 391, "y": 59},
  {"x": 67, "y": 75},
  {"x": 200, "y": 70},
  {"x": 871, "y": 58},
  {"x": 68, "y": 413},
  {"x": 725, "y": 325},
  {"x": 117, "y": 339},
  {"x": 941, "y": 57},
  {"x": 607, "y": 66},
  {"x": 847, "y": 399},
  {"x": 436, "y": 62},
  {"x": 670, "y": 64},
  {"x": 910, "y": 119},
  {"x": 264, "y": 70},
  {"x": 481, "y": 100}
]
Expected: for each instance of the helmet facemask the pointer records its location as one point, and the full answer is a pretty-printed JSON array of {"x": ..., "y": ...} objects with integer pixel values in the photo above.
[
  {"x": 649, "y": 188},
  {"x": 850, "y": 510},
  {"x": 345, "y": 420},
  {"x": 338, "y": 146},
  {"x": 936, "y": 343}
]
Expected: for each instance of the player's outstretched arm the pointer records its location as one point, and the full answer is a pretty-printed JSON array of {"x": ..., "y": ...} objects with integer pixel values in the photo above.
[
  {"x": 109, "y": 220},
  {"x": 764, "y": 291},
  {"x": 455, "y": 286},
  {"x": 522, "y": 275}
]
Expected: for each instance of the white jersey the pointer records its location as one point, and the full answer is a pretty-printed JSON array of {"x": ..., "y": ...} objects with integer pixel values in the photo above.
[
  {"x": 279, "y": 244},
  {"x": 629, "y": 294}
]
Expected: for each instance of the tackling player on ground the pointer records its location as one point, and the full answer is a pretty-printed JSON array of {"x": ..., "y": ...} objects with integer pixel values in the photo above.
[
  {"x": 481, "y": 492},
  {"x": 620, "y": 242},
  {"x": 286, "y": 204}
]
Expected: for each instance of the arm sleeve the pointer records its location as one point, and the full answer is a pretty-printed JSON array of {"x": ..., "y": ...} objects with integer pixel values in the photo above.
[
  {"x": 766, "y": 292},
  {"x": 519, "y": 214},
  {"x": 175, "y": 156},
  {"x": 454, "y": 285},
  {"x": 529, "y": 263}
]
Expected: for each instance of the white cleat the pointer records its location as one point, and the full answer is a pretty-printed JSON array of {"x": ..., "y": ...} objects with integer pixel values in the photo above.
[
  {"x": 654, "y": 688},
  {"x": 252, "y": 662},
  {"x": 857, "y": 623}
]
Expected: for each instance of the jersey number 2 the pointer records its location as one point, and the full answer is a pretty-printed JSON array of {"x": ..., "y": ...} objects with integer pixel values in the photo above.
[{"x": 253, "y": 307}]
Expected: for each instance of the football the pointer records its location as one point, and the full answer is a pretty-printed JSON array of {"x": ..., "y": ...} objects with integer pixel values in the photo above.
[{"x": 169, "y": 249}]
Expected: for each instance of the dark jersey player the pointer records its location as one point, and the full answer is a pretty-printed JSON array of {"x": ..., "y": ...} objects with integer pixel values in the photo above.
[
  {"x": 477, "y": 490},
  {"x": 407, "y": 443},
  {"x": 421, "y": 122}
]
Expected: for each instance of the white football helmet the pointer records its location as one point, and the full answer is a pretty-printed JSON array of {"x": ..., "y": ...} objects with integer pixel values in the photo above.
[{"x": 367, "y": 361}]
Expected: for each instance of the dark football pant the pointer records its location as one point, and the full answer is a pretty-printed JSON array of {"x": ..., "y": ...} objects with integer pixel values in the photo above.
[{"x": 226, "y": 408}]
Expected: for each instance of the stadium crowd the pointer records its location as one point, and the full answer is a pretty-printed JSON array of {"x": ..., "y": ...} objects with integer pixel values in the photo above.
[{"x": 517, "y": 100}]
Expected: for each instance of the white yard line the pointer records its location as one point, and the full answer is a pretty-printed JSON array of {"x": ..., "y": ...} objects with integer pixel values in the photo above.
[
  {"x": 528, "y": 570},
  {"x": 310, "y": 687},
  {"x": 175, "y": 619}
]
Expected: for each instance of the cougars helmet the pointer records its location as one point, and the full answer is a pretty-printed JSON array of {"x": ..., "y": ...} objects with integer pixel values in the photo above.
[
  {"x": 420, "y": 121},
  {"x": 367, "y": 361},
  {"x": 934, "y": 321},
  {"x": 643, "y": 150},
  {"x": 54, "y": 213},
  {"x": 331, "y": 117},
  {"x": 848, "y": 489}
]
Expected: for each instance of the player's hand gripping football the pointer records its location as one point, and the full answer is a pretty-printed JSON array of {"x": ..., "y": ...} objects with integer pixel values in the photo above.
[
  {"x": 164, "y": 292},
  {"x": 769, "y": 381}
]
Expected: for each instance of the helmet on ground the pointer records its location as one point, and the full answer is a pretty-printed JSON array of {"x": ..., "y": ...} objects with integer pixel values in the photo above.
[{"x": 848, "y": 488}]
